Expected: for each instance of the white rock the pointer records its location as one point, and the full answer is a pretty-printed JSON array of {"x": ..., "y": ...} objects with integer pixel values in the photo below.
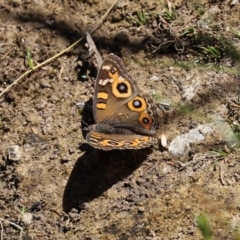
[
  {"x": 154, "y": 78},
  {"x": 14, "y": 153},
  {"x": 26, "y": 218},
  {"x": 180, "y": 146}
]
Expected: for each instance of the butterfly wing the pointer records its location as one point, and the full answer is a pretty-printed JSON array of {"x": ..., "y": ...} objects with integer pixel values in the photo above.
[
  {"x": 126, "y": 117},
  {"x": 114, "y": 87},
  {"x": 115, "y": 141},
  {"x": 119, "y": 101}
]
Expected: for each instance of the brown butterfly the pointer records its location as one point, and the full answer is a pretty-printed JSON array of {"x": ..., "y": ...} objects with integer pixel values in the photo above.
[{"x": 126, "y": 117}]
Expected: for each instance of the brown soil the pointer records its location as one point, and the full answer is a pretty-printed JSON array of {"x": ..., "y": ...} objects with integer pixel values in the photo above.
[{"x": 58, "y": 190}]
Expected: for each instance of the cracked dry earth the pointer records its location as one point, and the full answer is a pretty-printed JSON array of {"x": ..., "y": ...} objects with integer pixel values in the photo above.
[{"x": 53, "y": 189}]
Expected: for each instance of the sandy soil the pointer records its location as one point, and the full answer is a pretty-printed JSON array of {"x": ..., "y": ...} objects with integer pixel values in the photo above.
[{"x": 55, "y": 187}]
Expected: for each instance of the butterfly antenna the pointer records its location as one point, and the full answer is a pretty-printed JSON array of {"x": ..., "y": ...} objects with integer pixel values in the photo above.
[{"x": 85, "y": 123}]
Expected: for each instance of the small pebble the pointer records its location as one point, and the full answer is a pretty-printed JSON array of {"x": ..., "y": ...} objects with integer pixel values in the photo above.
[
  {"x": 141, "y": 209},
  {"x": 14, "y": 153},
  {"x": 154, "y": 78},
  {"x": 26, "y": 218}
]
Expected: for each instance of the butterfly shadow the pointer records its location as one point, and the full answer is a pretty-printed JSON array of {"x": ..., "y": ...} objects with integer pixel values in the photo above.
[{"x": 96, "y": 171}]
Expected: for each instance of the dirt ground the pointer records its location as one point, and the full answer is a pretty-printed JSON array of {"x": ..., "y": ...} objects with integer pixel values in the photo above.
[{"x": 57, "y": 187}]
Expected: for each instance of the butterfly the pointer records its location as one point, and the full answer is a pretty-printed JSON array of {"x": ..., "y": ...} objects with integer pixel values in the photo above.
[{"x": 125, "y": 116}]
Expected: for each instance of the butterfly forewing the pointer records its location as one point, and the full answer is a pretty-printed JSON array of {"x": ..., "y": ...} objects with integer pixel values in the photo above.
[{"x": 113, "y": 89}]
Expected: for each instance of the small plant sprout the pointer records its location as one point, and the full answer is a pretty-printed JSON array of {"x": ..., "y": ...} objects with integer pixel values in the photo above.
[
  {"x": 23, "y": 210},
  {"x": 142, "y": 17},
  {"x": 204, "y": 227},
  {"x": 29, "y": 58},
  {"x": 168, "y": 14},
  {"x": 235, "y": 32},
  {"x": 212, "y": 51}
]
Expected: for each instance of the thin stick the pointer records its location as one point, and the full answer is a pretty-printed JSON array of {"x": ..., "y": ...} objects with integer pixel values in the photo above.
[
  {"x": 11, "y": 223},
  {"x": 59, "y": 54},
  {"x": 14, "y": 225},
  {"x": 221, "y": 174},
  {"x": 1, "y": 230}
]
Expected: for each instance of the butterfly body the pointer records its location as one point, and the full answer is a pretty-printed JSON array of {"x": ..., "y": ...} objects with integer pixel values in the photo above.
[{"x": 126, "y": 117}]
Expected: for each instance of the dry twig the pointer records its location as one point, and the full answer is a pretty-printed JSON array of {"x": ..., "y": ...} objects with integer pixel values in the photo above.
[
  {"x": 1, "y": 230},
  {"x": 94, "y": 28},
  {"x": 13, "y": 224},
  {"x": 221, "y": 174}
]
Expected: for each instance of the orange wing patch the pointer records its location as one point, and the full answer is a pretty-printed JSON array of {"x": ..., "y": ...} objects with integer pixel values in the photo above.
[
  {"x": 101, "y": 106},
  {"x": 102, "y": 95},
  {"x": 138, "y": 104},
  {"x": 145, "y": 120}
]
